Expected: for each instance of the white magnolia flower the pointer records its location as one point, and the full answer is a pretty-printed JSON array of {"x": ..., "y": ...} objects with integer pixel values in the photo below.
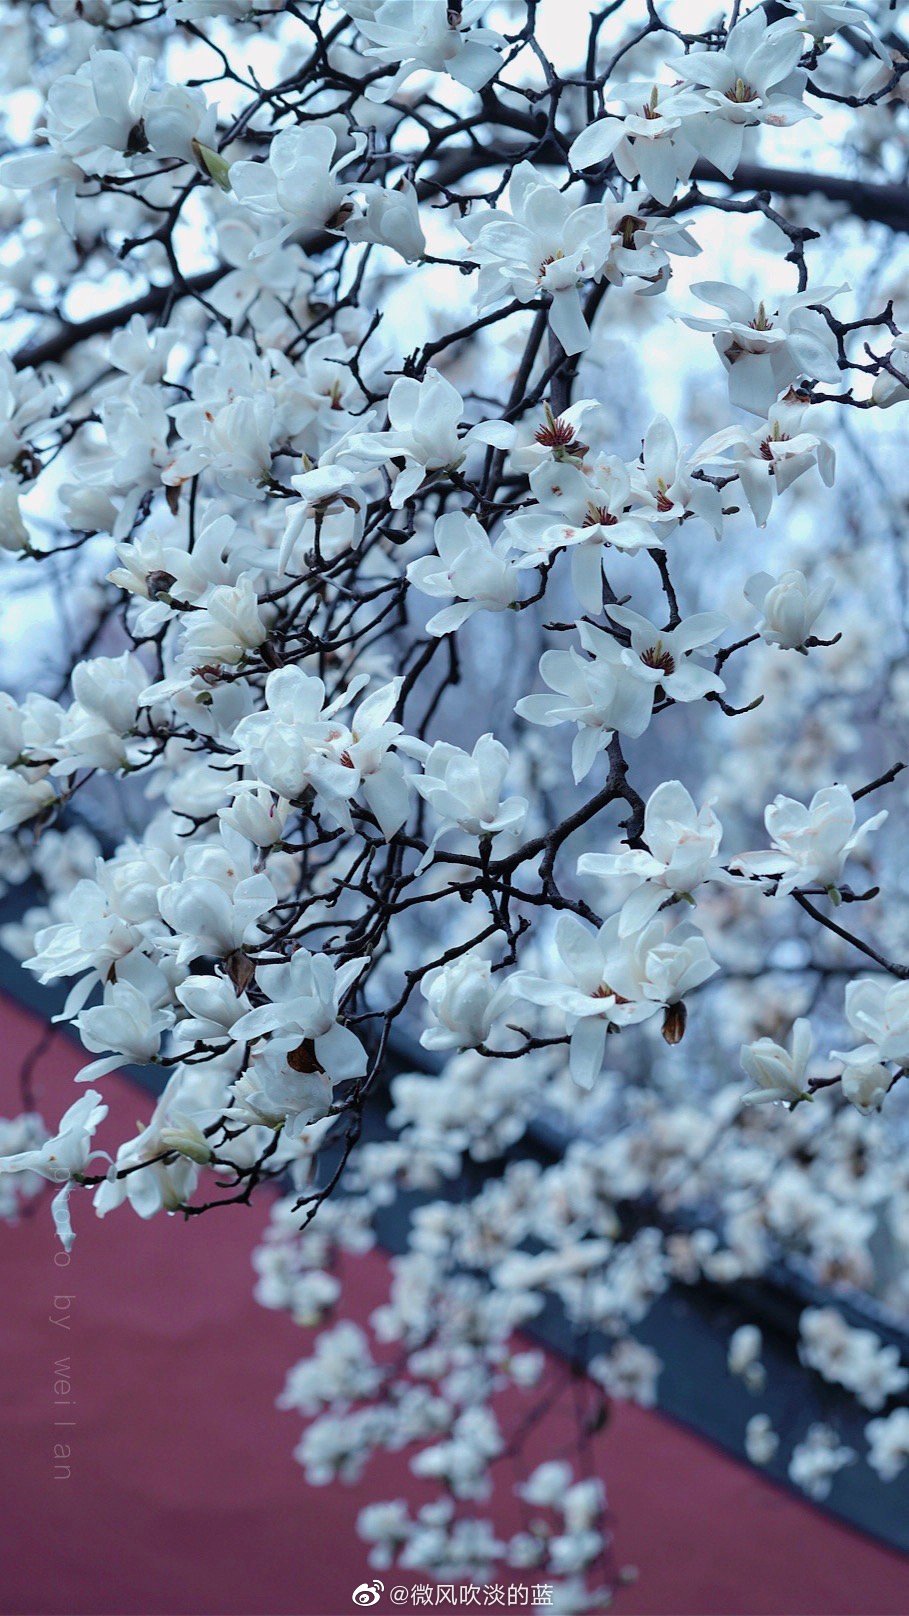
[
  {"x": 752, "y": 80},
  {"x": 780, "y": 1074},
  {"x": 464, "y": 999},
  {"x": 211, "y": 1004},
  {"x": 743, "y": 1357},
  {"x": 629, "y": 1372},
  {"x": 681, "y": 852},
  {"x": 888, "y": 388},
  {"x": 464, "y": 789},
  {"x": 298, "y": 183},
  {"x": 855, "y": 1358},
  {"x": 92, "y": 938},
  {"x": 664, "y": 483},
  {"x": 583, "y": 509},
  {"x": 285, "y": 1086},
  {"x": 378, "y": 770},
  {"x": 178, "y": 122},
  {"x": 549, "y": 242},
  {"x": 256, "y": 813},
  {"x": 391, "y": 218},
  {"x": 14, "y": 535},
  {"x": 608, "y": 979},
  {"x": 299, "y": 744},
  {"x": 878, "y": 1011},
  {"x": 888, "y": 1443},
  {"x": 304, "y": 997},
  {"x": 96, "y": 729},
  {"x": 865, "y": 1085},
  {"x": 130, "y": 1021},
  {"x": 423, "y": 421},
  {"x": 788, "y": 605},
  {"x": 645, "y": 139},
  {"x": 761, "y": 1440},
  {"x": 214, "y": 908},
  {"x": 821, "y": 19},
  {"x": 410, "y": 36},
  {"x": 468, "y": 569},
  {"x": 601, "y": 693},
  {"x": 26, "y": 407},
  {"x": 64, "y": 1158},
  {"x": 809, "y": 844},
  {"x": 665, "y": 658},
  {"x": 817, "y": 1460},
  {"x": 22, "y": 798},
  {"x": 767, "y": 346},
  {"x": 162, "y": 1185},
  {"x": 94, "y": 114},
  {"x": 141, "y": 351},
  {"x": 770, "y": 459},
  {"x": 292, "y": 744},
  {"x": 227, "y": 626}
]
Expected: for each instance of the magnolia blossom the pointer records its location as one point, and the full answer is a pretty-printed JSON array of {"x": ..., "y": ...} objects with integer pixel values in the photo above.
[
  {"x": 286, "y": 1086},
  {"x": 767, "y": 346},
  {"x": 550, "y": 242},
  {"x": 290, "y": 745},
  {"x": 298, "y": 184},
  {"x": 682, "y": 842},
  {"x": 780, "y": 1074},
  {"x": 816, "y": 1461},
  {"x": 409, "y": 36},
  {"x": 130, "y": 1021},
  {"x": 744, "y": 1356},
  {"x": 158, "y": 1170},
  {"x": 788, "y": 605},
  {"x": 379, "y": 770},
  {"x": 646, "y": 139},
  {"x": 216, "y": 902},
  {"x": 464, "y": 999},
  {"x": 613, "y": 978},
  {"x": 752, "y": 80},
  {"x": 93, "y": 114},
  {"x": 809, "y": 844},
  {"x": 596, "y": 969},
  {"x": 888, "y": 1442},
  {"x": 303, "y": 999},
  {"x": 64, "y": 1158},
  {"x": 467, "y": 568},
  {"x": 878, "y": 1011},
  {"x": 583, "y": 509},
  {"x": 602, "y": 694},
  {"x": 665, "y": 484},
  {"x": 464, "y": 789},
  {"x": 21, "y": 798},
  {"x": 26, "y": 405},
  {"x": 892, "y": 386},
  {"x": 665, "y": 658},
  {"x": 256, "y": 814},
  {"x": 865, "y": 1085},
  {"x": 423, "y": 421},
  {"x": 761, "y": 1441},
  {"x": 820, "y": 19},
  {"x": 851, "y": 1357},
  {"x": 227, "y": 626},
  {"x": 391, "y": 218},
  {"x": 14, "y": 535},
  {"x": 771, "y": 459}
]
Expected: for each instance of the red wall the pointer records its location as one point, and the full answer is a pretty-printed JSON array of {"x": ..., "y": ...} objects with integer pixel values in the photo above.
[{"x": 184, "y": 1497}]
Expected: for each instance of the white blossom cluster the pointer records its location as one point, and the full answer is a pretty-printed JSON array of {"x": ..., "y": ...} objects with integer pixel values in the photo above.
[
  {"x": 728, "y": 1195},
  {"x": 399, "y": 624}
]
